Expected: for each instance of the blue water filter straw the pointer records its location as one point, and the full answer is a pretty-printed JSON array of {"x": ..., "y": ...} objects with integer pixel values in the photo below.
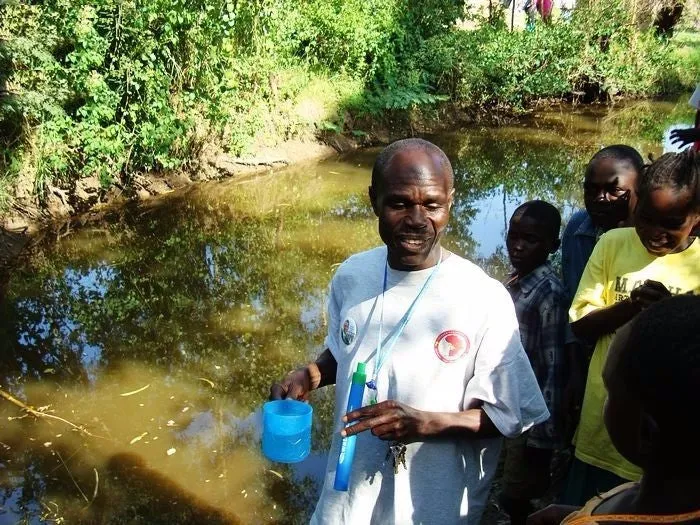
[{"x": 347, "y": 447}]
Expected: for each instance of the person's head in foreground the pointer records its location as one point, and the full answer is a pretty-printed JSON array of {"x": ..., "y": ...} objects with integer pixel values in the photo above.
[
  {"x": 652, "y": 376},
  {"x": 533, "y": 234},
  {"x": 609, "y": 185},
  {"x": 411, "y": 193},
  {"x": 668, "y": 208}
]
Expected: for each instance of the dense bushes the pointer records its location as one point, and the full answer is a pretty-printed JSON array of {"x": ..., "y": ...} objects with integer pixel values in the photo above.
[
  {"x": 108, "y": 88},
  {"x": 598, "y": 54},
  {"x": 111, "y": 87}
]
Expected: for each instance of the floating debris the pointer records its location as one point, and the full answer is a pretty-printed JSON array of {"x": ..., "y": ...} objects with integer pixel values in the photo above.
[
  {"x": 171, "y": 451},
  {"x": 138, "y": 438},
  {"x": 48, "y": 444},
  {"x": 210, "y": 383},
  {"x": 185, "y": 409},
  {"x": 170, "y": 423},
  {"x": 125, "y": 394},
  {"x": 275, "y": 473}
]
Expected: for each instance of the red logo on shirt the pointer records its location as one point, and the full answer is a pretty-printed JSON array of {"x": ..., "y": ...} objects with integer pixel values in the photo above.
[{"x": 451, "y": 345}]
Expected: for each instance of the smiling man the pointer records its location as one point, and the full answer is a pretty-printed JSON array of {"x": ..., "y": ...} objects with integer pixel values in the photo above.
[{"x": 447, "y": 373}]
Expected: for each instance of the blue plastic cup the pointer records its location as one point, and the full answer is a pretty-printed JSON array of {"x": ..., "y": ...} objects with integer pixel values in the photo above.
[{"x": 286, "y": 430}]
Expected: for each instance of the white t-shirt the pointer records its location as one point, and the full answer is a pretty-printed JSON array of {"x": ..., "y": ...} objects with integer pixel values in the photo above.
[{"x": 461, "y": 348}]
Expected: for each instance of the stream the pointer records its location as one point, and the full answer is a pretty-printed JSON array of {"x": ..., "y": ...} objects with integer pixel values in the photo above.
[{"x": 158, "y": 331}]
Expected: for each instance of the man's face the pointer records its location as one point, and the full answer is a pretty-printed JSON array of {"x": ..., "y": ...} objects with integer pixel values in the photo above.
[
  {"x": 609, "y": 192},
  {"x": 413, "y": 204},
  {"x": 529, "y": 243},
  {"x": 665, "y": 219}
]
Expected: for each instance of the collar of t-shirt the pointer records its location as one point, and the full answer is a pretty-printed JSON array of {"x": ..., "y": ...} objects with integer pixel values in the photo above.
[{"x": 410, "y": 278}]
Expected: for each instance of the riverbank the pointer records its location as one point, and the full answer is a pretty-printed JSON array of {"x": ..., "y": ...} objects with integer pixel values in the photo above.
[
  {"x": 68, "y": 207},
  {"x": 87, "y": 200}
]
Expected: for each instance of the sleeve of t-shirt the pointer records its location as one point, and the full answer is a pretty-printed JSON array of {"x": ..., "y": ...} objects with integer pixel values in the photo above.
[
  {"x": 332, "y": 341},
  {"x": 590, "y": 295},
  {"x": 503, "y": 379}
]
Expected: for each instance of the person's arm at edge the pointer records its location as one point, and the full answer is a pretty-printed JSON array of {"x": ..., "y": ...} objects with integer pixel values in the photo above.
[
  {"x": 600, "y": 319},
  {"x": 604, "y": 320}
]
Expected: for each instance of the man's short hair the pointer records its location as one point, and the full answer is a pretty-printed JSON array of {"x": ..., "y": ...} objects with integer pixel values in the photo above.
[
  {"x": 620, "y": 153},
  {"x": 387, "y": 154},
  {"x": 544, "y": 213}
]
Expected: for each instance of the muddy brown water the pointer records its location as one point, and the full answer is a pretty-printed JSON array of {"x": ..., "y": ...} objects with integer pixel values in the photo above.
[{"x": 159, "y": 331}]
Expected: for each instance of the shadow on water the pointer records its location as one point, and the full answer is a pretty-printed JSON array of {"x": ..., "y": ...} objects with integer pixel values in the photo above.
[{"x": 161, "y": 329}]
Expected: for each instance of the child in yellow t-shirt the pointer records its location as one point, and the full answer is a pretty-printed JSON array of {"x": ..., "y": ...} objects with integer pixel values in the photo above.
[{"x": 630, "y": 269}]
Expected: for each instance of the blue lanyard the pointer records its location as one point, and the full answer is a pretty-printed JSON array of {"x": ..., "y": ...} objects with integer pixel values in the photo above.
[{"x": 382, "y": 354}]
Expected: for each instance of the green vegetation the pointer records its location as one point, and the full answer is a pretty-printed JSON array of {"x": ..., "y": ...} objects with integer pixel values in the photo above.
[
  {"x": 111, "y": 88},
  {"x": 598, "y": 55}
]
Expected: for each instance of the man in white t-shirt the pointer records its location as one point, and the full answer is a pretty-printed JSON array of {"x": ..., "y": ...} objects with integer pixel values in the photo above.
[{"x": 444, "y": 385}]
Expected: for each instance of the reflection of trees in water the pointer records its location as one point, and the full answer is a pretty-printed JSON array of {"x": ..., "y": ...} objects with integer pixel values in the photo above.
[
  {"x": 642, "y": 123},
  {"x": 180, "y": 293},
  {"x": 186, "y": 289},
  {"x": 488, "y": 166}
]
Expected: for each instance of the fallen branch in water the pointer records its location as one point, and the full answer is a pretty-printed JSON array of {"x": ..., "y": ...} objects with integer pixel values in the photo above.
[
  {"x": 9, "y": 397},
  {"x": 70, "y": 474}
]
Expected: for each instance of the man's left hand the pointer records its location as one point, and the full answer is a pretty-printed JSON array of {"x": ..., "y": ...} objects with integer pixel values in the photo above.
[{"x": 388, "y": 420}]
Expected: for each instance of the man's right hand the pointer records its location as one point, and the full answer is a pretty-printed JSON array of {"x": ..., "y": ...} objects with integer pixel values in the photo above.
[
  {"x": 296, "y": 385},
  {"x": 301, "y": 381}
]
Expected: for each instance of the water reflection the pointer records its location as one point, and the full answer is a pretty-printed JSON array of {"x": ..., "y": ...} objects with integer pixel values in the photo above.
[{"x": 207, "y": 296}]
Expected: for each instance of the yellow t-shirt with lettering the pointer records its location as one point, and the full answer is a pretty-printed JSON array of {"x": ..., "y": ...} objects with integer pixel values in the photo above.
[{"x": 619, "y": 263}]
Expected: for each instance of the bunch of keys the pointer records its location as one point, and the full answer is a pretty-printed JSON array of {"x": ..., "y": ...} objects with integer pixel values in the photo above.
[{"x": 397, "y": 451}]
